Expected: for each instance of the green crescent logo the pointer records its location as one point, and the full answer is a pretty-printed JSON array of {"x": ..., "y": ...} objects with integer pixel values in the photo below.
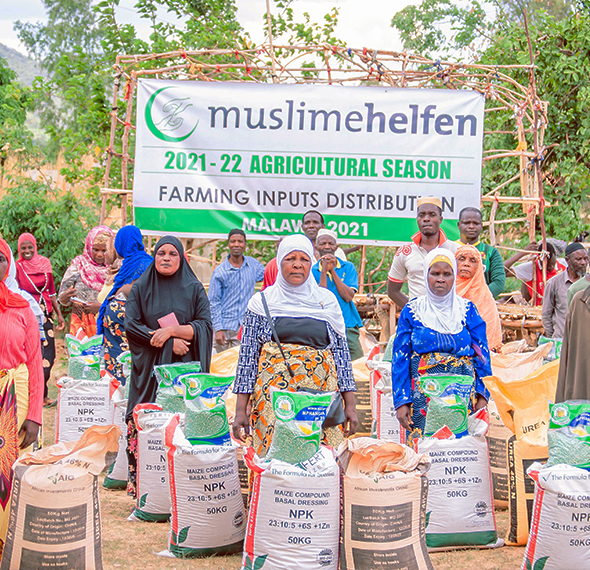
[{"x": 172, "y": 121}]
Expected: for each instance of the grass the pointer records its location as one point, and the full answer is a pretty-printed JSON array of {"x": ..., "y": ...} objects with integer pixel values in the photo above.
[{"x": 134, "y": 545}]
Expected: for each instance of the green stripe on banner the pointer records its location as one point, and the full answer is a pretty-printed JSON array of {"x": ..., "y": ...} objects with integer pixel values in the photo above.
[
  {"x": 483, "y": 538},
  {"x": 217, "y": 223}
]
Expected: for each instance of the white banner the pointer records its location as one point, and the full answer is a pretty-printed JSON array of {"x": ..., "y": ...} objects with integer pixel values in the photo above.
[{"x": 214, "y": 156}]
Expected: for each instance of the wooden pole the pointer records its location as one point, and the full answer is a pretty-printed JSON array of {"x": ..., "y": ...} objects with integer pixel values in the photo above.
[
  {"x": 362, "y": 268},
  {"x": 273, "y": 62},
  {"x": 125, "y": 148}
]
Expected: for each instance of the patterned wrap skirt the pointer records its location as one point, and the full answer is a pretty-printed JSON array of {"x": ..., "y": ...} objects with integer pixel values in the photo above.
[
  {"x": 432, "y": 363},
  {"x": 312, "y": 368}
]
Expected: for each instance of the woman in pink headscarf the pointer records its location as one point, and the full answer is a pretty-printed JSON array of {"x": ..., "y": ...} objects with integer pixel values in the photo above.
[
  {"x": 34, "y": 275},
  {"x": 84, "y": 280}
]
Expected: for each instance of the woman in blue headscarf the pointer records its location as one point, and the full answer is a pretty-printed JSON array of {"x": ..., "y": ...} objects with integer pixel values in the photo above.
[{"x": 111, "y": 317}]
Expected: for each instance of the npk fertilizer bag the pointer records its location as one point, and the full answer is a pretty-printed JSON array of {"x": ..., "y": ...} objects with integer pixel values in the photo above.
[
  {"x": 206, "y": 416},
  {"x": 55, "y": 512},
  {"x": 460, "y": 508},
  {"x": 80, "y": 405},
  {"x": 384, "y": 506},
  {"x": 294, "y": 517},
  {"x": 569, "y": 434},
  {"x": 171, "y": 378},
  {"x": 117, "y": 474},
  {"x": 153, "y": 493},
  {"x": 298, "y": 427},
  {"x": 449, "y": 402},
  {"x": 208, "y": 515},
  {"x": 560, "y": 528}
]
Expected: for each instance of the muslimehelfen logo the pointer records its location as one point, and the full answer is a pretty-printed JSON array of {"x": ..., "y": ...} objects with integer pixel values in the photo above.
[
  {"x": 168, "y": 120},
  {"x": 284, "y": 408}
]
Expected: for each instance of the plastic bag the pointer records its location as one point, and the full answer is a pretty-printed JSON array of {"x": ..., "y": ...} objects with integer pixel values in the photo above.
[
  {"x": 298, "y": 427},
  {"x": 171, "y": 378},
  {"x": 90, "y": 346},
  {"x": 569, "y": 434},
  {"x": 206, "y": 417}
]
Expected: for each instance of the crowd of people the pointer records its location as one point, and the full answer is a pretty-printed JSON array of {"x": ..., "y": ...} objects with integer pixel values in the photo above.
[{"x": 301, "y": 331}]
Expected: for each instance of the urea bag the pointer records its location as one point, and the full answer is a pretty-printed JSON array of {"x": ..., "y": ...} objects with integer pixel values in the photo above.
[
  {"x": 225, "y": 363},
  {"x": 170, "y": 379},
  {"x": 498, "y": 436},
  {"x": 206, "y": 417},
  {"x": 208, "y": 515},
  {"x": 569, "y": 434},
  {"x": 449, "y": 402},
  {"x": 55, "y": 512},
  {"x": 117, "y": 474},
  {"x": 153, "y": 493},
  {"x": 515, "y": 366},
  {"x": 294, "y": 516},
  {"x": 90, "y": 346},
  {"x": 80, "y": 405},
  {"x": 560, "y": 529},
  {"x": 384, "y": 488},
  {"x": 298, "y": 427},
  {"x": 460, "y": 508}
]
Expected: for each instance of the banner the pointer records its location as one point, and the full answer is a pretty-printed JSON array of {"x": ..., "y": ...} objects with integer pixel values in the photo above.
[{"x": 214, "y": 156}]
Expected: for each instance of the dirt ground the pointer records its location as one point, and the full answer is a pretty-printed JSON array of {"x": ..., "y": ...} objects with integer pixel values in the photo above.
[{"x": 135, "y": 545}]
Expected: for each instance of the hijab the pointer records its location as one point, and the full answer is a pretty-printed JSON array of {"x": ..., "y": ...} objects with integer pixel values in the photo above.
[
  {"x": 91, "y": 273},
  {"x": 129, "y": 246},
  {"x": 305, "y": 300},
  {"x": 12, "y": 284},
  {"x": 444, "y": 314},
  {"x": 9, "y": 299},
  {"x": 38, "y": 263},
  {"x": 478, "y": 292},
  {"x": 152, "y": 297}
]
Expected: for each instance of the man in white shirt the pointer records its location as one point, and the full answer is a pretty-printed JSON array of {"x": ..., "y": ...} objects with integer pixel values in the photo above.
[{"x": 408, "y": 263}]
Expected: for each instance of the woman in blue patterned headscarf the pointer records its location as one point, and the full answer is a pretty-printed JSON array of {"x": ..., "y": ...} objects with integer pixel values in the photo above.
[{"x": 111, "y": 317}]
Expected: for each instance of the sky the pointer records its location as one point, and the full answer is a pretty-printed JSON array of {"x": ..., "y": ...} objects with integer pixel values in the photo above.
[{"x": 363, "y": 23}]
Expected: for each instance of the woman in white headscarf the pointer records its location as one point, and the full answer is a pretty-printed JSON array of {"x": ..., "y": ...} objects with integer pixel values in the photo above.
[
  {"x": 311, "y": 330},
  {"x": 437, "y": 333}
]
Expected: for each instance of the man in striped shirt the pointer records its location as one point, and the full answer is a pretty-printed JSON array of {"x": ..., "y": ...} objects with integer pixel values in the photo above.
[{"x": 232, "y": 286}]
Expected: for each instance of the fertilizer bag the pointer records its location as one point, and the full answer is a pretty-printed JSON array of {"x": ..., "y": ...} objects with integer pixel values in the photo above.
[
  {"x": 117, "y": 474},
  {"x": 384, "y": 506},
  {"x": 498, "y": 436},
  {"x": 460, "y": 508},
  {"x": 80, "y": 405},
  {"x": 170, "y": 379},
  {"x": 153, "y": 493},
  {"x": 294, "y": 517},
  {"x": 208, "y": 515},
  {"x": 90, "y": 346},
  {"x": 560, "y": 528},
  {"x": 55, "y": 513},
  {"x": 206, "y": 417},
  {"x": 569, "y": 434}
]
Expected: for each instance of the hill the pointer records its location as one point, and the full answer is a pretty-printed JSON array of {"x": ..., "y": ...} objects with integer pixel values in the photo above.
[{"x": 25, "y": 67}]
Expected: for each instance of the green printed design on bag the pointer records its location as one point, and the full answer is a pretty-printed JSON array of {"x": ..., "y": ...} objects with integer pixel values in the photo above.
[
  {"x": 298, "y": 427},
  {"x": 90, "y": 346},
  {"x": 84, "y": 367},
  {"x": 169, "y": 376}
]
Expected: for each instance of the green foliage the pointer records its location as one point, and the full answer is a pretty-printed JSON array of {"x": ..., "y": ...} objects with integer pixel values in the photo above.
[{"x": 55, "y": 220}]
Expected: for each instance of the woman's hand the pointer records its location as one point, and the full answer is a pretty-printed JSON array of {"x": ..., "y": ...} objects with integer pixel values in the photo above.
[
  {"x": 351, "y": 423},
  {"x": 65, "y": 297},
  {"x": 160, "y": 336},
  {"x": 92, "y": 308},
  {"x": 480, "y": 403},
  {"x": 180, "y": 347},
  {"x": 241, "y": 424},
  {"x": 404, "y": 416},
  {"x": 60, "y": 323},
  {"x": 30, "y": 430}
]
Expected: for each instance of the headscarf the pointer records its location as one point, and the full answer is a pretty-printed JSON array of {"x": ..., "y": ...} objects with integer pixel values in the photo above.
[
  {"x": 38, "y": 263},
  {"x": 445, "y": 314},
  {"x": 12, "y": 284},
  {"x": 129, "y": 246},
  {"x": 8, "y": 299},
  {"x": 478, "y": 292},
  {"x": 91, "y": 273},
  {"x": 305, "y": 300},
  {"x": 152, "y": 297}
]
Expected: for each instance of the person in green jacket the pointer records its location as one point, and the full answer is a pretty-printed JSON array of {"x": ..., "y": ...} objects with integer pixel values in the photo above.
[{"x": 470, "y": 226}]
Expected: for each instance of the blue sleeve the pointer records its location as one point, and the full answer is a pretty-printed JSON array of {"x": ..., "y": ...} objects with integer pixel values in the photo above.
[
  {"x": 400, "y": 362},
  {"x": 315, "y": 269},
  {"x": 351, "y": 277},
  {"x": 259, "y": 271},
  {"x": 247, "y": 370},
  {"x": 481, "y": 360},
  {"x": 341, "y": 354},
  {"x": 215, "y": 295}
]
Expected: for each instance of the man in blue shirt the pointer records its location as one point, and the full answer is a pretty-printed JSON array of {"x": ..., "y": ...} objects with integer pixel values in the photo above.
[
  {"x": 232, "y": 285},
  {"x": 341, "y": 278}
]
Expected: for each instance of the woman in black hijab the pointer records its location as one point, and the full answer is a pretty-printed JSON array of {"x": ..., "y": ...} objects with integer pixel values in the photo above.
[{"x": 167, "y": 319}]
